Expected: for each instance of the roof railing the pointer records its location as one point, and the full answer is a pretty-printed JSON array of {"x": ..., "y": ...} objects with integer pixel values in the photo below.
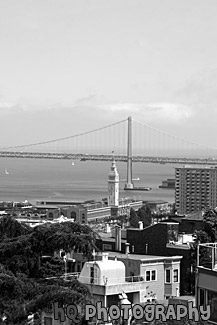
[{"x": 207, "y": 256}]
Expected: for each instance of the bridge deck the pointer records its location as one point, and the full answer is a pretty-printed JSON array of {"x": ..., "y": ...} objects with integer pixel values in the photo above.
[{"x": 162, "y": 160}]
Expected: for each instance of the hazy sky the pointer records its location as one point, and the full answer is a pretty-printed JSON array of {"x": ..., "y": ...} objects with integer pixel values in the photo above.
[{"x": 67, "y": 66}]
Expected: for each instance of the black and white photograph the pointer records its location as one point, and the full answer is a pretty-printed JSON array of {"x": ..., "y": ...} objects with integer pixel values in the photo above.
[{"x": 108, "y": 162}]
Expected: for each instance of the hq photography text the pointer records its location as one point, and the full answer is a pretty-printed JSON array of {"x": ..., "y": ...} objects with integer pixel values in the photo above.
[{"x": 149, "y": 312}]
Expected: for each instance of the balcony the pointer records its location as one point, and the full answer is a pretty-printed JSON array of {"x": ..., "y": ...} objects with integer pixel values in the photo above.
[
  {"x": 110, "y": 281},
  {"x": 66, "y": 276},
  {"x": 111, "y": 286},
  {"x": 97, "y": 281}
]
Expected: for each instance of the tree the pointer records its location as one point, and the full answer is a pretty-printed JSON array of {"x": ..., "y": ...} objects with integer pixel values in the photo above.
[
  {"x": 210, "y": 224},
  {"x": 21, "y": 295},
  {"x": 208, "y": 235},
  {"x": 144, "y": 215},
  {"x": 23, "y": 285},
  {"x": 22, "y": 253},
  {"x": 10, "y": 228},
  {"x": 134, "y": 220}
]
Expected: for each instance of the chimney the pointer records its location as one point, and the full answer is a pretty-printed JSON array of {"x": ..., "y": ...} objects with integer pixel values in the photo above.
[
  {"x": 104, "y": 257},
  {"x": 107, "y": 228},
  {"x": 140, "y": 225},
  {"x": 117, "y": 238},
  {"x": 177, "y": 292},
  {"x": 127, "y": 248}
]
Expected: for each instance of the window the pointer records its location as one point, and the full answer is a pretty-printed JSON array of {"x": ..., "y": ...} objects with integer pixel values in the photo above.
[
  {"x": 201, "y": 297},
  {"x": 212, "y": 300},
  {"x": 107, "y": 247},
  {"x": 50, "y": 216},
  {"x": 167, "y": 277},
  {"x": 92, "y": 274},
  {"x": 48, "y": 321},
  {"x": 151, "y": 275},
  {"x": 78, "y": 267},
  {"x": 132, "y": 276},
  {"x": 83, "y": 218},
  {"x": 176, "y": 275},
  {"x": 73, "y": 215}
]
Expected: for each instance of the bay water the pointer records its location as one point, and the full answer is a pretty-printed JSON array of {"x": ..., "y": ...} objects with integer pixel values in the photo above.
[{"x": 34, "y": 179}]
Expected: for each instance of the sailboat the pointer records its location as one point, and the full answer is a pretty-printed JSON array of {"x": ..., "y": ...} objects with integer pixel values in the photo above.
[{"x": 6, "y": 172}]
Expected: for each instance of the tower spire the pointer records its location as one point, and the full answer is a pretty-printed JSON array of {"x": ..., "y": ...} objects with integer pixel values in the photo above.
[{"x": 113, "y": 184}]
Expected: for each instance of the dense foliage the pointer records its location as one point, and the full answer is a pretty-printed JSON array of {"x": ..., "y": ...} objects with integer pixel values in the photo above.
[
  {"x": 210, "y": 224},
  {"x": 143, "y": 214},
  {"x": 23, "y": 285}
]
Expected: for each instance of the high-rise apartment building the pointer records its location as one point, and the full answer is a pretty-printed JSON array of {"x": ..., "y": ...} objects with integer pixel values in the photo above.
[{"x": 195, "y": 188}]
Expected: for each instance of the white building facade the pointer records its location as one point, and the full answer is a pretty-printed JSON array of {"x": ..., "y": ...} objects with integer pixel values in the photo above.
[{"x": 113, "y": 186}]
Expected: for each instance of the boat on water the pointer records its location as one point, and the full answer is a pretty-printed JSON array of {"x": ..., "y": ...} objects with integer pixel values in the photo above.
[
  {"x": 73, "y": 164},
  {"x": 6, "y": 172},
  {"x": 169, "y": 183}
]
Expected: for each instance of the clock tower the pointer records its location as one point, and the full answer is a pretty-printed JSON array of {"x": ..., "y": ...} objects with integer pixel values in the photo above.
[{"x": 113, "y": 185}]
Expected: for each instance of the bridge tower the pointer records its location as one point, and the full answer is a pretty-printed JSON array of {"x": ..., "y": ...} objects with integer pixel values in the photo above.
[
  {"x": 129, "y": 184},
  {"x": 113, "y": 185}
]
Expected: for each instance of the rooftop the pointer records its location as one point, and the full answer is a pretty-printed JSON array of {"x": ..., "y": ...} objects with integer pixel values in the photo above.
[
  {"x": 165, "y": 222},
  {"x": 140, "y": 257},
  {"x": 45, "y": 206},
  {"x": 155, "y": 201},
  {"x": 196, "y": 167},
  {"x": 60, "y": 202},
  {"x": 198, "y": 216}
]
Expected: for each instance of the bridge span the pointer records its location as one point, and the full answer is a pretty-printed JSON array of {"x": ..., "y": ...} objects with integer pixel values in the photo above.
[{"x": 100, "y": 157}]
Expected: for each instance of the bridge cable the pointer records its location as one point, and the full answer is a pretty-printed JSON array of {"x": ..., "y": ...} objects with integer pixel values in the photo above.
[
  {"x": 175, "y": 136},
  {"x": 65, "y": 138}
]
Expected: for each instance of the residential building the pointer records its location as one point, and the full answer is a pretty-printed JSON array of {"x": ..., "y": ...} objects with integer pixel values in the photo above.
[
  {"x": 195, "y": 189},
  {"x": 191, "y": 222},
  {"x": 164, "y": 239},
  {"x": 161, "y": 273},
  {"x": 112, "y": 240},
  {"x": 143, "y": 278},
  {"x": 159, "y": 206}
]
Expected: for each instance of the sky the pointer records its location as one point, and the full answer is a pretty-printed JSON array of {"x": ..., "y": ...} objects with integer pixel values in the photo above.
[{"x": 68, "y": 66}]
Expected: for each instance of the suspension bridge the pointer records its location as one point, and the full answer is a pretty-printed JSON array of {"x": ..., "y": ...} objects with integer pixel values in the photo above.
[{"x": 130, "y": 140}]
